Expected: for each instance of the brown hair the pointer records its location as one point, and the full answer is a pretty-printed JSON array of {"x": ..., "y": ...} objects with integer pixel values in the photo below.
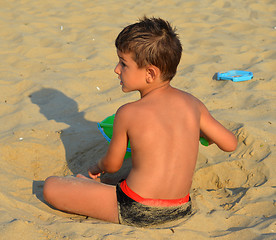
[{"x": 152, "y": 41}]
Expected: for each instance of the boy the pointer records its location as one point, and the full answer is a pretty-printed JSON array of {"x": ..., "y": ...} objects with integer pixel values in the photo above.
[{"x": 163, "y": 127}]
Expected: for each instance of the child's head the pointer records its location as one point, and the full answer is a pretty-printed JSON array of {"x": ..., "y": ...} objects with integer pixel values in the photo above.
[{"x": 152, "y": 41}]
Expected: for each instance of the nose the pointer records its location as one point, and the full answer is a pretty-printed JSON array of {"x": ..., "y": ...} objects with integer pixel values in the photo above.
[{"x": 116, "y": 69}]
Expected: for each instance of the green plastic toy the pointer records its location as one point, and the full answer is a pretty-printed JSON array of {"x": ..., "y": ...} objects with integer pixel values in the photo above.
[
  {"x": 106, "y": 128},
  {"x": 203, "y": 141}
]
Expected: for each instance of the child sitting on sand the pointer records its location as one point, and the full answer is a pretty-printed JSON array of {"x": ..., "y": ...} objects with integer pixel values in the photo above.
[{"x": 163, "y": 127}]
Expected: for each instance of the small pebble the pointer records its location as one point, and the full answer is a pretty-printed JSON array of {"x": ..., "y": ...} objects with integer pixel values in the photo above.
[{"x": 20, "y": 139}]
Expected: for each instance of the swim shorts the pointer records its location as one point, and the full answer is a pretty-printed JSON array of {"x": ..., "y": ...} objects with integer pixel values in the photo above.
[{"x": 140, "y": 212}]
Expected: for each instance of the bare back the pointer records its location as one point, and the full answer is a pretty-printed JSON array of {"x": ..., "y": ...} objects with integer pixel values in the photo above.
[{"x": 163, "y": 130}]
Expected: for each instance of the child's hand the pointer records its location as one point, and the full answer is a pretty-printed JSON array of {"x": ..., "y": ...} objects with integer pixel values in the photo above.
[
  {"x": 210, "y": 141},
  {"x": 94, "y": 171}
]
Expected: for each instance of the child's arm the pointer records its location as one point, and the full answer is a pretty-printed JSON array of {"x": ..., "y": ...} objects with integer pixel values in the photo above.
[
  {"x": 214, "y": 132},
  {"x": 94, "y": 171},
  {"x": 202, "y": 135},
  {"x": 113, "y": 159}
]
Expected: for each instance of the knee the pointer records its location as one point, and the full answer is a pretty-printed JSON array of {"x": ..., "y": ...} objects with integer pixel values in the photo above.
[{"x": 49, "y": 188}]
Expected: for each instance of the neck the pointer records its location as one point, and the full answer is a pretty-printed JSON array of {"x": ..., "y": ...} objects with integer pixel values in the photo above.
[{"x": 157, "y": 88}]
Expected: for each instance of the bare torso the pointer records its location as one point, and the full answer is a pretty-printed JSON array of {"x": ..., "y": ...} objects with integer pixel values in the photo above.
[{"x": 164, "y": 132}]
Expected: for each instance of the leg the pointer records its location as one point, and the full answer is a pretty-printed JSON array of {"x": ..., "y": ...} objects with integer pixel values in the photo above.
[{"x": 82, "y": 196}]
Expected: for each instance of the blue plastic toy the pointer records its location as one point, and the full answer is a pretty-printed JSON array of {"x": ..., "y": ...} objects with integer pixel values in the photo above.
[{"x": 235, "y": 75}]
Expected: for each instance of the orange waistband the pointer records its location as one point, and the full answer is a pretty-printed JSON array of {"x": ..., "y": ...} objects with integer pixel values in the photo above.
[{"x": 150, "y": 201}]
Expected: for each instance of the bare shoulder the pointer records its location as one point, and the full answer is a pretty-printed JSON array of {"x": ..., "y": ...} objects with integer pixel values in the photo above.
[
  {"x": 125, "y": 112},
  {"x": 187, "y": 98}
]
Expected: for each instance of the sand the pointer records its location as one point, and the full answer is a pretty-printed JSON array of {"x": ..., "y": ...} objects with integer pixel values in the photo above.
[{"x": 57, "y": 81}]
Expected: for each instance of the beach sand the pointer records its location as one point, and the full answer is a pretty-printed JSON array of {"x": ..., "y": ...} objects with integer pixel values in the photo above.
[{"x": 57, "y": 81}]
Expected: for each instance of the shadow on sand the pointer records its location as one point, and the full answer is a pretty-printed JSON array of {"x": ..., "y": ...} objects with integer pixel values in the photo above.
[{"x": 83, "y": 143}]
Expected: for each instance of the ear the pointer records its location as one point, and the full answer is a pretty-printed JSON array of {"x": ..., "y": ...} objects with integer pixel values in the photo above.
[{"x": 152, "y": 73}]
